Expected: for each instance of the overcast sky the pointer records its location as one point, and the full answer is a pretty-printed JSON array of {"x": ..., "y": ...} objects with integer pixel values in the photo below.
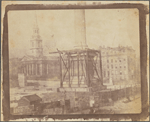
[{"x": 109, "y": 27}]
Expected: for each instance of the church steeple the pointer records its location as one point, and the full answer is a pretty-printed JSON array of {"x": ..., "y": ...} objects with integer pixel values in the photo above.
[{"x": 36, "y": 42}]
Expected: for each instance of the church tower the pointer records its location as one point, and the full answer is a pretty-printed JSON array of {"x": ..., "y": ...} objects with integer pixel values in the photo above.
[{"x": 36, "y": 42}]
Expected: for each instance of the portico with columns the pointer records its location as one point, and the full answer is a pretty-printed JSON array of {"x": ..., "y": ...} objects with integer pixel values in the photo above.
[{"x": 35, "y": 65}]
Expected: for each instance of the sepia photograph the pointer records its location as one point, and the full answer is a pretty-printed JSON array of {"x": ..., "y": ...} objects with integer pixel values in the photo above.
[{"x": 77, "y": 61}]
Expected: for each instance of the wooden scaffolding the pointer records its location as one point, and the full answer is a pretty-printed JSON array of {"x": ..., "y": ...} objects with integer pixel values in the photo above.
[{"x": 79, "y": 68}]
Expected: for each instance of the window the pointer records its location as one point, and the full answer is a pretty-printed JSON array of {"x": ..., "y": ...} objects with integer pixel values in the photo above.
[
  {"x": 124, "y": 59},
  {"x": 124, "y": 66},
  {"x": 120, "y": 72},
  {"x": 116, "y": 60},
  {"x": 112, "y": 66},
  {"x": 108, "y": 73},
  {"x": 107, "y": 66},
  {"x": 116, "y": 67},
  {"x": 111, "y": 60},
  {"x": 120, "y": 60},
  {"x": 120, "y": 66},
  {"x": 107, "y": 61}
]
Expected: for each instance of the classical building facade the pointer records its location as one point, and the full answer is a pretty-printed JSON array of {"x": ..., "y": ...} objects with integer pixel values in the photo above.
[
  {"x": 36, "y": 66},
  {"x": 118, "y": 64}
]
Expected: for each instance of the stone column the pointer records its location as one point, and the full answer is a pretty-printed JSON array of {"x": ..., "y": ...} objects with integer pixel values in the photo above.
[
  {"x": 32, "y": 69},
  {"x": 27, "y": 69},
  {"x": 47, "y": 68},
  {"x": 24, "y": 69},
  {"x": 40, "y": 69},
  {"x": 35, "y": 69},
  {"x": 80, "y": 30}
]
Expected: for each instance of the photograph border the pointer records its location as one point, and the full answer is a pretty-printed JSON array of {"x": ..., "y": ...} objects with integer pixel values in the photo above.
[{"x": 143, "y": 60}]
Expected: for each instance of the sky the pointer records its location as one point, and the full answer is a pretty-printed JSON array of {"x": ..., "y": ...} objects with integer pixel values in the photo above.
[{"x": 104, "y": 27}]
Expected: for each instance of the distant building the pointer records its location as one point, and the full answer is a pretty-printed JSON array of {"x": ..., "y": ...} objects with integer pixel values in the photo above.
[
  {"x": 118, "y": 64},
  {"x": 36, "y": 66}
]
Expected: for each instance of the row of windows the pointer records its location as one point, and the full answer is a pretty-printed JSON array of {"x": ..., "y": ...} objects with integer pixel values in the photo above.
[
  {"x": 119, "y": 77},
  {"x": 111, "y": 61},
  {"x": 111, "y": 52},
  {"x": 112, "y": 66},
  {"x": 108, "y": 73}
]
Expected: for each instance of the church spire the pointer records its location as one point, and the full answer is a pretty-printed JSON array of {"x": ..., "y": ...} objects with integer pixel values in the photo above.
[
  {"x": 36, "y": 23},
  {"x": 36, "y": 42},
  {"x": 36, "y": 28}
]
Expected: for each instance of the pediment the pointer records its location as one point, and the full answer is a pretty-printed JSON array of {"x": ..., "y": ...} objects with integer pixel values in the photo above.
[{"x": 27, "y": 58}]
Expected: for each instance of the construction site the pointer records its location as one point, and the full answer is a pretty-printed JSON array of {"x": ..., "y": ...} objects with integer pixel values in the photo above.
[
  {"x": 81, "y": 89},
  {"x": 81, "y": 78}
]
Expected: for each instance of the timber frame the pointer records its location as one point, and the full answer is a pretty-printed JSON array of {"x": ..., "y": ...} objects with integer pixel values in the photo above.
[{"x": 88, "y": 60}]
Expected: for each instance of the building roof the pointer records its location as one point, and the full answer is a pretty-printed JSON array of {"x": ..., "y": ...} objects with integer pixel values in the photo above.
[
  {"x": 119, "y": 48},
  {"x": 32, "y": 98},
  {"x": 30, "y": 58}
]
